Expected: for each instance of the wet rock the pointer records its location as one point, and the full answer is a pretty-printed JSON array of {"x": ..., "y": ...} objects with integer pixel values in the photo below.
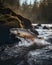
[
  {"x": 25, "y": 22},
  {"x": 34, "y": 31},
  {"x": 39, "y": 25},
  {"x": 36, "y": 27},
  {"x": 45, "y": 27},
  {"x": 14, "y": 20},
  {"x": 6, "y": 37},
  {"x": 50, "y": 27}
]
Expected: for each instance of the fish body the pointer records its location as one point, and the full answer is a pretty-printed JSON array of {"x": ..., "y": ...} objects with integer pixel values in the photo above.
[{"x": 25, "y": 33}]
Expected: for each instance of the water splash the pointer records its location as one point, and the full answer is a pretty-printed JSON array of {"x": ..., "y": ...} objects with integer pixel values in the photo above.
[{"x": 36, "y": 42}]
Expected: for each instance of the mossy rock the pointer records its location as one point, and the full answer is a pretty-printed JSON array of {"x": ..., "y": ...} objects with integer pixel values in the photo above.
[{"x": 11, "y": 19}]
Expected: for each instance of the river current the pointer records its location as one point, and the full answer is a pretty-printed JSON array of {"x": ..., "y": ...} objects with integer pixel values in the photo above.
[{"x": 23, "y": 53}]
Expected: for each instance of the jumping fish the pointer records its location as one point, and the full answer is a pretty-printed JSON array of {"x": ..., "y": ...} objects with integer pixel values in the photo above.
[{"x": 25, "y": 33}]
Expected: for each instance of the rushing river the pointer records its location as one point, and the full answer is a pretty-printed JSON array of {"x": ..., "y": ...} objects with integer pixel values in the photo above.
[{"x": 23, "y": 53}]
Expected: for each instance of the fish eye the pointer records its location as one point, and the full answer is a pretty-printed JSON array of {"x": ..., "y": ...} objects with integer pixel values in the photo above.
[{"x": 18, "y": 33}]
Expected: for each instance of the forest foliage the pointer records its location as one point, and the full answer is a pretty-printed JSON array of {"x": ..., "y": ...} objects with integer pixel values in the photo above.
[{"x": 38, "y": 12}]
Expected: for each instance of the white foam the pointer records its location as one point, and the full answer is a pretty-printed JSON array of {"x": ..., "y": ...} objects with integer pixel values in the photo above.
[
  {"x": 41, "y": 42},
  {"x": 38, "y": 42},
  {"x": 25, "y": 42}
]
